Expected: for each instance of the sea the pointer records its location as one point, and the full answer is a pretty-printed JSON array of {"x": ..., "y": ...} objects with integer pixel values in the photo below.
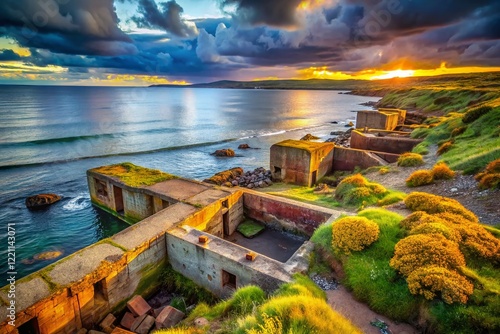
[{"x": 51, "y": 135}]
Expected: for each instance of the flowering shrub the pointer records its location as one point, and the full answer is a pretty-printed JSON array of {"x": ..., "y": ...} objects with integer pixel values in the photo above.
[
  {"x": 427, "y": 281},
  {"x": 419, "y": 201},
  {"x": 354, "y": 233},
  {"x": 421, "y": 250},
  {"x": 444, "y": 147},
  {"x": 436, "y": 228},
  {"x": 355, "y": 189},
  {"x": 477, "y": 240},
  {"x": 410, "y": 160},
  {"x": 441, "y": 171},
  {"x": 420, "y": 178},
  {"x": 458, "y": 131},
  {"x": 490, "y": 177},
  {"x": 415, "y": 219}
]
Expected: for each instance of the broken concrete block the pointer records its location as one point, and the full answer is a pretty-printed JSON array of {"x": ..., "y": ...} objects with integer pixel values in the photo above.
[
  {"x": 138, "y": 306},
  {"x": 157, "y": 311},
  {"x": 169, "y": 317},
  {"x": 107, "y": 324},
  {"x": 137, "y": 322},
  {"x": 127, "y": 320},
  {"x": 119, "y": 330},
  {"x": 82, "y": 331},
  {"x": 145, "y": 325}
]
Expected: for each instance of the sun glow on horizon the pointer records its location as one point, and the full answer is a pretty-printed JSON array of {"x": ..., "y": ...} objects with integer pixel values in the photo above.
[{"x": 374, "y": 74}]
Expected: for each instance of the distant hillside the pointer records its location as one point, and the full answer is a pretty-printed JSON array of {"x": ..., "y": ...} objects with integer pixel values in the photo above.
[{"x": 479, "y": 81}]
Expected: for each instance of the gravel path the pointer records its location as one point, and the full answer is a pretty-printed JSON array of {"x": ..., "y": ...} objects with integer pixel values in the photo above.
[{"x": 462, "y": 188}]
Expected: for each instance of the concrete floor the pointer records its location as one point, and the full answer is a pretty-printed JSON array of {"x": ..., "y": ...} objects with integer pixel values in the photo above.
[{"x": 279, "y": 246}]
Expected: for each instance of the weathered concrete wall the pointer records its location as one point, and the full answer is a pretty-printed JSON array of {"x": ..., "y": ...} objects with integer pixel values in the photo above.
[
  {"x": 385, "y": 143},
  {"x": 401, "y": 113},
  {"x": 137, "y": 206},
  {"x": 297, "y": 165},
  {"x": 348, "y": 159},
  {"x": 205, "y": 263},
  {"x": 284, "y": 213},
  {"x": 101, "y": 191},
  {"x": 377, "y": 120}
]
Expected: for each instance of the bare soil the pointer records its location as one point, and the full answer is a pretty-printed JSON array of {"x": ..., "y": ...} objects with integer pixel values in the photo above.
[{"x": 360, "y": 315}]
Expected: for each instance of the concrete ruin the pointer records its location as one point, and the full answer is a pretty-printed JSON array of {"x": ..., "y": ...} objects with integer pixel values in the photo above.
[
  {"x": 301, "y": 162},
  {"x": 396, "y": 142},
  {"x": 184, "y": 223},
  {"x": 383, "y": 119}
]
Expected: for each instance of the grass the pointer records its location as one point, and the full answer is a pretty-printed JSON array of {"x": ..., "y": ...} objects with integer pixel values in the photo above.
[
  {"x": 296, "y": 307},
  {"x": 134, "y": 176},
  {"x": 307, "y": 195},
  {"x": 250, "y": 228}
]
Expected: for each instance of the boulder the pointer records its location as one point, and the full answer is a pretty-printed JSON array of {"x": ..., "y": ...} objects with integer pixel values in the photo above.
[
  {"x": 201, "y": 322},
  {"x": 243, "y": 146},
  {"x": 309, "y": 137},
  {"x": 224, "y": 153},
  {"x": 349, "y": 125},
  {"x": 47, "y": 255},
  {"x": 41, "y": 201}
]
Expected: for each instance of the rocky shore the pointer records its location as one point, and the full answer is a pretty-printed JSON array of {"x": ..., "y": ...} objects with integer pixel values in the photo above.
[{"x": 258, "y": 178}]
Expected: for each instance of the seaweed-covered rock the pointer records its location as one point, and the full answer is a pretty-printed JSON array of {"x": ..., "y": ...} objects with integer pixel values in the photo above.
[
  {"x": 224, "y": 153},
  {"x": 243, "y": 146},
  {"x": 309, "y": 137},
  {"x": 41, "y": 201}
]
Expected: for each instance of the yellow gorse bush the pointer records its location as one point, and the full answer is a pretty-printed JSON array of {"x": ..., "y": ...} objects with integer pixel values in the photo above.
[
  {"x": 410, "y": 160},
  {"x": 435, "y": 228},
  {"x": 420, "y": 178},
  {"x": 419, "y": 201},
  {"x": 428, "y": 281},
  {"x": 354, "y": 233},
  {"x": 416, "y": 251},
  {"x": 490, "y": 177},
  {"x": 441, "y": 171}
]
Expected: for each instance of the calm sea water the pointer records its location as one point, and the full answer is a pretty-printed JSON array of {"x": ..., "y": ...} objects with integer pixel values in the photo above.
[{"x": 49, "y": 137}]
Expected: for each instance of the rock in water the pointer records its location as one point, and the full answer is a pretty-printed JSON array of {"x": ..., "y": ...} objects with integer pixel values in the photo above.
[
  {"x": 349, "y": 125},
  {"x": 41, "y": 201},
  {"x": 243, "y": 146},
  {"x": 224, "y": 153},
  {"x": 47, "y": 255},
  {"x": 309, "y": 137}
]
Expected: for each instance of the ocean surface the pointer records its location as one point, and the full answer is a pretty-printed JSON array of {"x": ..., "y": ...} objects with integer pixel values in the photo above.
[{"x": 50, "y": 136}]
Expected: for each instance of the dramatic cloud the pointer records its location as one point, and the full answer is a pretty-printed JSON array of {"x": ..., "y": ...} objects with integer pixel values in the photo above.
[
  {"x": 75, "y": 27},
  {"x": 256, "y": 37},
  {"x": 280, "y": 13},
  {"x": 168, "y": 18}
]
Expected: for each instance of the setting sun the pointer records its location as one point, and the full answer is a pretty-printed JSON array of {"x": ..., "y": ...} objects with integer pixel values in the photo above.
[{"x": 394, "y": 74}]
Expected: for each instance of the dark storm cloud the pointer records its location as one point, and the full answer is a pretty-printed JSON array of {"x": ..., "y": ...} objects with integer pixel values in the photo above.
[
  {"x": 8, "y": 55},
  {"x": 279, "y": 13},
  {"x": 87, "y": 27},
  {"x": 167, "y": 17}
]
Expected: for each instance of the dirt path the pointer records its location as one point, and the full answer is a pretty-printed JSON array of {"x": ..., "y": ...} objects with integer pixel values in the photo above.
[{"x": 360, "y": 315}]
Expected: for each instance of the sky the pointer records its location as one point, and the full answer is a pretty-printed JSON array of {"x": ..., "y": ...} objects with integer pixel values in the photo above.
[{"x": 144, "y": 42}]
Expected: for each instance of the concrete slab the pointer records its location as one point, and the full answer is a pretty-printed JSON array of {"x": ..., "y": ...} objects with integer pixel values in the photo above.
[
  {"x": 169, "y": 317},
  {"x": 153, "y": 226},
  {"x": 119, "y": 330},
  {"x": 207, "y": 197},
  {"x": 145, "y": 325},
  {"x": 28, "y": 293},
  {"x": 127, "y": 320},
  {"x": 138, "y": 306},
  {"x": 82, "y": 263},
  {"x": 178, "y": 189}
]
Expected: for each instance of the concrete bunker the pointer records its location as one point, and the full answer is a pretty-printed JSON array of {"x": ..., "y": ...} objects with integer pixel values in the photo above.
[
  {"x": 301, "y": 162},
  {"x": 79, "y": 290}
]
